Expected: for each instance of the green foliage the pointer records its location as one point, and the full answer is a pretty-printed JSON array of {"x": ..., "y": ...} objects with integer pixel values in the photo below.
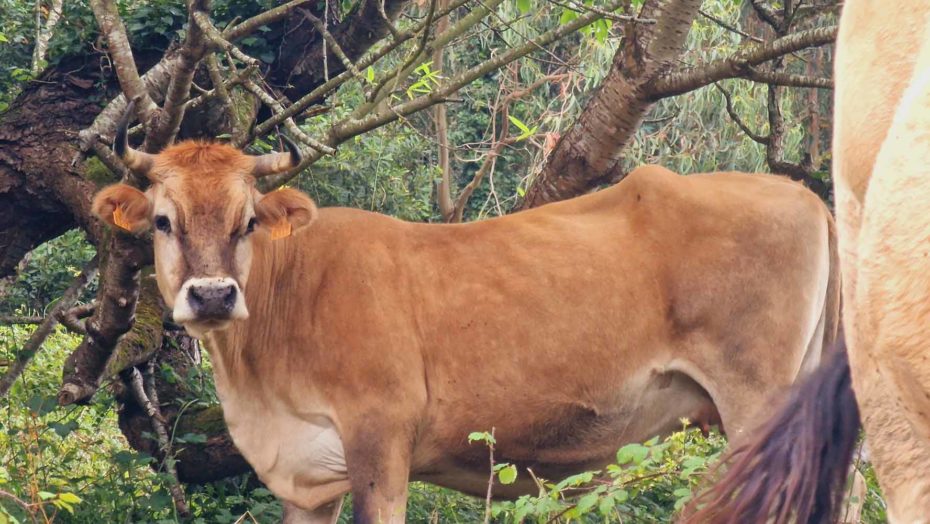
[
  {"x": 50, "y": 270},
  {"x": 649, "y": 482}
]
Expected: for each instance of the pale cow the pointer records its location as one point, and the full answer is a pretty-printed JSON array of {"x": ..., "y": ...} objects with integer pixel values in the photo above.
[
  {"x": 357, "y": 352},
  {"x": 795, "y": 470}
]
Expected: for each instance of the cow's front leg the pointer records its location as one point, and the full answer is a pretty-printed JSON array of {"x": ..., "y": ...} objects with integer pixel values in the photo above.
[
  {"x": 325, "y": 514},
  {"x": 379, "y": 469}
]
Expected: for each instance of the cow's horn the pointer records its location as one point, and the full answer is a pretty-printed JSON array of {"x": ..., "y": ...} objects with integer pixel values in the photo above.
[
  {"x": 138, "y": 161},
  {"x": 274, "y": 163}
]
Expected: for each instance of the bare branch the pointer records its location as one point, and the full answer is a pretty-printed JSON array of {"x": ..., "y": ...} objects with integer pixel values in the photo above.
[
  {"x": 143, "y": 391},
  {"x": 337, "y": 49},
  {"x": 766, "y": 13},
  {"x": 350, "y": 127},
  {"x": 333, "y": 83},
  {"x": 13, "y": 320},
  {"x": 737, "y": 120},
  {"x": 73, "y": 318},
  {"x": 268, "y": 17},
  {"x": 740, "y": 63},
  {"x": 112, "y": 27},
  {"x": 31, "y": 347},
  {"x": 610, "y": 15},
  {"x": 114, "y": 316},
  {"x": 44, "y": 32},
  {"x": 216, "y": 38},
  {"x": 781, "y": 78},
  {"x": 729, "y": 27},
  {"x": 276, "y": 107},
  {"x": 156, "y": 82},
  {"x": 192, "y": 51}
]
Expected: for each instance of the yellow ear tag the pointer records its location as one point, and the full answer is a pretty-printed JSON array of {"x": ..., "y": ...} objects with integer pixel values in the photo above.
[
  {"x": 120, "y": 219},
  {"x": 281, "y": 229}
]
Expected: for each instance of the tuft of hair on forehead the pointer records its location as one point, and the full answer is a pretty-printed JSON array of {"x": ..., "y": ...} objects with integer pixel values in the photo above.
[{"x": 205, "y": 158}]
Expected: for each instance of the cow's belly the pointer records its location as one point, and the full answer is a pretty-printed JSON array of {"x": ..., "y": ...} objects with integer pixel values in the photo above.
[
  {"x": 569, "y": 437},
  {"x": 290, "y": 454}
]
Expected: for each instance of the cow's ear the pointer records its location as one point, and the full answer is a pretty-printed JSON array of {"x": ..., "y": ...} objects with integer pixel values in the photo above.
[
  {"x": 124, "y": 207},
  {"x": 284, "y": 211}
]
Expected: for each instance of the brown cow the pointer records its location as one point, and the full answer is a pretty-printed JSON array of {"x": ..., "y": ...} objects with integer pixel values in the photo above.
[
  {"x": 881, "y": 151},
  {"x": 358, "y": 351}
]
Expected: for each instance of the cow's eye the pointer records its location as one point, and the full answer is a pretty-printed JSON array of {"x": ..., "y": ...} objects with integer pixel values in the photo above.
[
  {"x": 251, "y": 227},
  {"x": 163, "y": 224}
]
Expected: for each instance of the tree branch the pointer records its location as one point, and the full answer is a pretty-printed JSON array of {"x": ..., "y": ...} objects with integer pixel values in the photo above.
[
  {"x": 767, "y": 14},
  {"x": 350, "y": 127},
  {"x": 739, "y": 65},
  {"x": 729, "y": 27},
  {"x": 111, "y": 25},
  {"x": 737, "y": 120},
  {"x": 31, "y": 347},
  {"x": 143, "y": 391},
  {"x": 165, "y": 126},
  {"x": 73, "y": 318},
  {"x": 124, "y": 257},
  {"x": 780, "y": 78}
]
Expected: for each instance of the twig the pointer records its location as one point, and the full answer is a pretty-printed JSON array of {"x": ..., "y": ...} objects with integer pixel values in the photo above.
[
  {"x": 575, "y": 6},
  {"x": 10, "y": 320},
  {"x": 268, "y": 17},
  {"x": 111, "y": 25},
  {"x": 737, "y": 120},
  {"x": 276, "y": 106},
  {"x": 20, "y": 502},
  {"x": 354, "y": 126},
  {"x": 336, "y": 81},
  {"x": 219, "y": 86},
  {"x": 729, "y": 27},
  {"x": 216, "y": 38},
  {"x": 487, "y": 500},
  {"x": 145, "y": 395},
  {"x": 32, "y": 346},
  {"x": 334, "y": 45}
]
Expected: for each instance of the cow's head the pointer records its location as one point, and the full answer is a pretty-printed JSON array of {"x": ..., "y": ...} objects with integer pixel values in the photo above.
[{"x": 205, "y": 208}]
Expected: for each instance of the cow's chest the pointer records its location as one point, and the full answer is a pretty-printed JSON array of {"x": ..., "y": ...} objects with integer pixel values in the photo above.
[{"x": 289, "y": 452}]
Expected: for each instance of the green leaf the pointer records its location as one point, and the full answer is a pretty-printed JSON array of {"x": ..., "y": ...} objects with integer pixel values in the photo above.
[
  {"x": 370, "y": 75},
  {"x": 70, "y": 498},
  {"x": 586, "y": 502},
  {"x": 524, "y": 6},
  {"x": 45, "y": 495},
  {"x": 482, "y": 436},
  {"x": 516, "y": 121},
  {"x": 606, "y": 505},
  {"x": 508, "y": 474},
  {"x": 632, "y": 453},
  {"x": 681, "y": 492}
]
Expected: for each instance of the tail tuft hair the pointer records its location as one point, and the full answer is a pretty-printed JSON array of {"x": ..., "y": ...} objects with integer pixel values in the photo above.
[{"x": 795, "y": 467}]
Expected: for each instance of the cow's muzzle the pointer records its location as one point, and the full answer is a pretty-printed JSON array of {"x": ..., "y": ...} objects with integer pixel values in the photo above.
[{"x": 209, "y": 302}]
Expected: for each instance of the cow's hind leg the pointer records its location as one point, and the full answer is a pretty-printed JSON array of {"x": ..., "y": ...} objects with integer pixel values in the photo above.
[{"x": 325, "y": 514}]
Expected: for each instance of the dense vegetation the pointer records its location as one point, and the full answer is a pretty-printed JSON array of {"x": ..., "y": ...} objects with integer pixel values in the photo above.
[{"x": 74, "y": 465}]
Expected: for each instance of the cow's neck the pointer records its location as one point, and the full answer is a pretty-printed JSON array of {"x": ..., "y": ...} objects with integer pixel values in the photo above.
[{"x": 248, "y": 347}]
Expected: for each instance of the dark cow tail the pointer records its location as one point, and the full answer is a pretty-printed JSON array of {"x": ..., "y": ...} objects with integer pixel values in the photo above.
[{"x": 795, "y": 468}]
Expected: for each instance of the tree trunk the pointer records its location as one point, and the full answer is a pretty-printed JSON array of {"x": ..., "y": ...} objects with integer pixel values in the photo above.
[
  {"x": 42, "y": 193},
  {"x": 589, "y": 154}
]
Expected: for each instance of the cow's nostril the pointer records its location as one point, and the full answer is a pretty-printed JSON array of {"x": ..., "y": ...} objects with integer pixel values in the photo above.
[
  {"x": 229, "y": 300},
  {"x": 195, "y": 296}
]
